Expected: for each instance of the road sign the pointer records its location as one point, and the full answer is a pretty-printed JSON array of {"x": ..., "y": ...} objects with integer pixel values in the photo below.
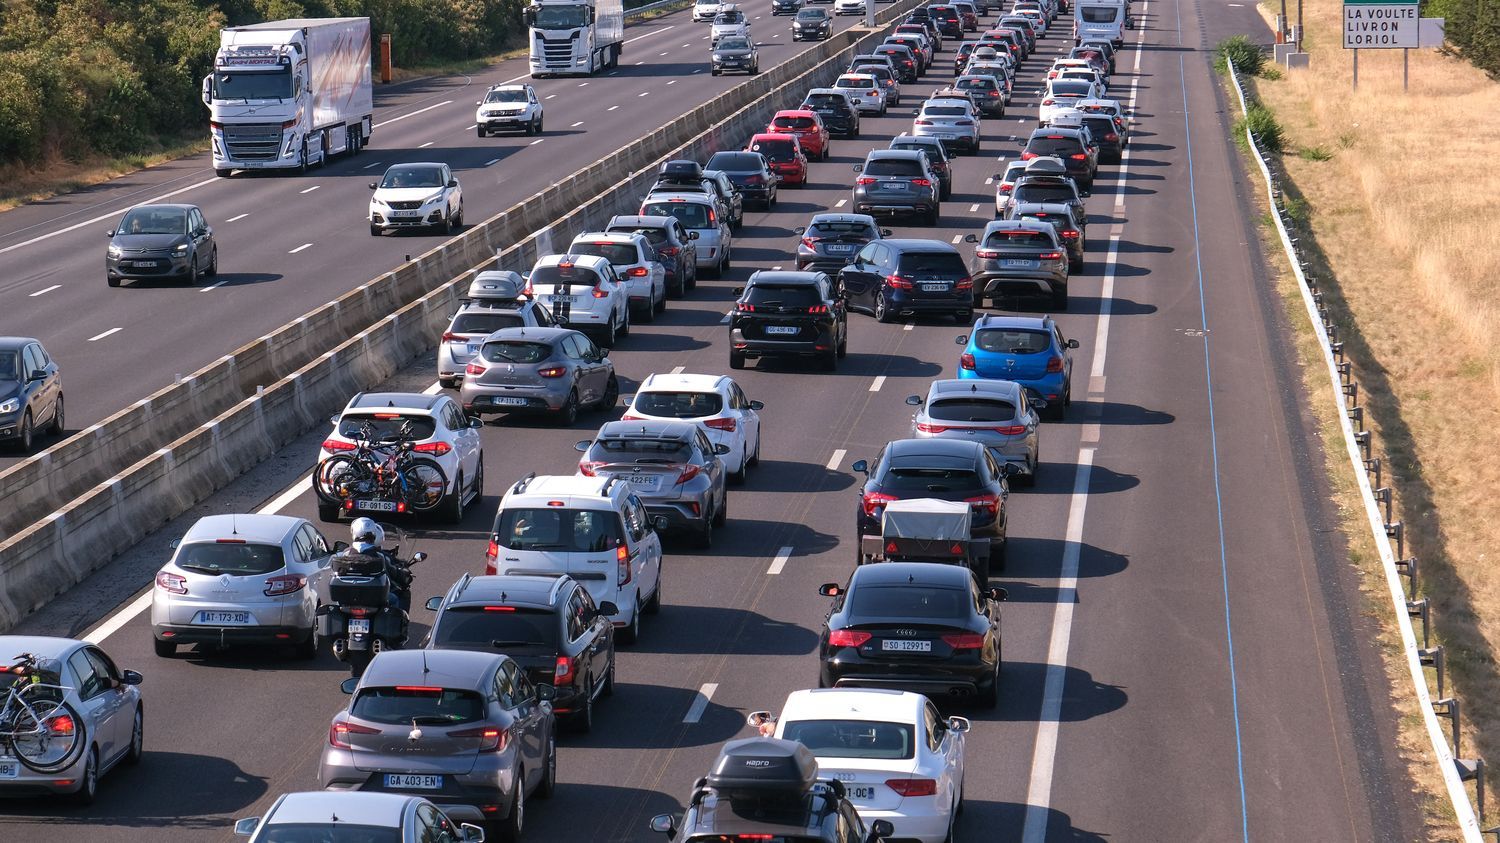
[{"x": 1380, "y": 25}]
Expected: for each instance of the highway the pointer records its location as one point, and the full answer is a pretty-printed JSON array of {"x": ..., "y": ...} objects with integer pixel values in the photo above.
[{"x": 1186, "y": 652}]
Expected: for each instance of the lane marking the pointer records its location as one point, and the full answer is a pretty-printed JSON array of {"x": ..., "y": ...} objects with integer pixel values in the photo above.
[
  {"x": 841, "y": 203},
  {"x": 1091, "y": 432},
  {"x": 44, "y": 291},
  {"x": 639, "y": 63},
  {"x": 300, "y": 248},
  {"x": 958, "y": 238},
  {"x": 974, "y": 207},
  {"x": 679, "y": 370},
  {"x": 433, "y": 388},
  {"x": 1096, "y": 384},
  {"x": 472, "y": 128},
  {"x": 424, "y": 145},
  {"x": 780, "y": 561},
  {"x": 550, "y": 97},
  {"x": 644, "y": 94},
  {"x": 725, "y": 320},
  {"x": 990, "y": 180},
  {"x": 492, "y": 161},
  {"x": 583, "y": 84},
  {"x": 649, "y": 34},
  {"x": 238, "y": 218},
  {"x": 214, "y": 286},
  {"x": 663, "y": 55},
  {"x": 576, "y": 125},
  {"x": 310, "y": 189},
  {"x": 908, "y": 326},
  {"x": 371, "y": 164},
  {"x": 102, "y": 217},
  {"x": 837, "y": 460},
  {"x": 700, "y": 702},
  {"x": 98, "y": 337},
  {"x": 671, "y": 81},
  {"x": 413, "y": 114},
  {"x": 878, "y": 383},
  {"x": 535, "y": 142},
  {"x": 612, "y": 108}
]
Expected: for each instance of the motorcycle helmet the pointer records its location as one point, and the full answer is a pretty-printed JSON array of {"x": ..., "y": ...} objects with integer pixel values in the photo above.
[{"x": 365, "y": 535}]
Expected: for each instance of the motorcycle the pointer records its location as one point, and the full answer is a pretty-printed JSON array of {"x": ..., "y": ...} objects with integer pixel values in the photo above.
[{"x": 361, "y": 611}]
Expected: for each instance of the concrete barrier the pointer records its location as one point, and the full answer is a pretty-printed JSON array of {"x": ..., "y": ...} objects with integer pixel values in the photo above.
[{"x": 168, "y": 459}]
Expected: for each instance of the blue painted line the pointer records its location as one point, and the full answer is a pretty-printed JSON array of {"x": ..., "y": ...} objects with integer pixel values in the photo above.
[{"x": 1213, "y": 436}]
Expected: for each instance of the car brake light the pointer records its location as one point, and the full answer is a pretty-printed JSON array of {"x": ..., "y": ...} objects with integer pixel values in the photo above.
[
  {"x": 912, "y": 787},
  {"x": 1027, "y": 156},
  {"x": 1111, "y": 136},
  {"x": 1055, "y": 364},
  {"x": 847, "y": 638},
  {"x": 964, "y": 283},
  {"x": 713, "y": 218},
  {"x": 1070, "y": 234},
  {"x": 449, "y": 336},
  {"x": 963, "y": 122},
  {"x": 986, "y": 254},
  {"x": 175, "y": 583},
  {"x": 1006, "y": 188},
  {"x": 553, "y": 371},
  {"x": 622, "y": 558},
  {"x": 668, "y": 251},
  {"x": 726, "y": 424},
  {"x": 499, "y": 608},
  {"x": 588, "y": 467},
  {"x": 562, "y": 672},
  {"x": 897, "y": 282},
  {"x": 924, "y": 427},
  {"x": 631, "y": 417},
  {"x": 1010, "y": 429},
  {"x": 491, "y": 739},
  {"x": 818, "y": 308},
  {"x": 285, "y": 584},
  {"x": 988, "y": 503},
  {"x": 474, "y": 368},
  {"x": 436, "y": 448},
  {"x": 491, "y": 553},
  {"x": 635, "y": 272},
  {"x": 864, "y": 180},
  {"x": 921, "y": 182},
  {"x": 1050, "y": 256},
  {"x": 339, "y": 732},
  {"x": 812, "y": 242},
  {"x": 745, "y": 307},
  {"x": 922, "y": 123},
  {"x": 1079, "y": 156},
  {"x": 966, "y": 361},
  {"x": 338, "y": 445},
  {"x": 753, "y": 180},
  {"x": 604, "y": 294},
  {"x": 687, "y": 472},
  {"x": 994, "y": 93},
  {"x": 872, "y": 501}
]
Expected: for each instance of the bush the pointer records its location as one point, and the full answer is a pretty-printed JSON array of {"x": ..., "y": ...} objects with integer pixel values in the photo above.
[
  {"x": 1246, "y": 55},
  {"x": 1262, "y": 124}
]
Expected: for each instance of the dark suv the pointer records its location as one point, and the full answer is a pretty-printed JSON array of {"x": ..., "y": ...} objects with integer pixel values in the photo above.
[
  {"x": 750, "y": 172},
  {"x": 897, "y": 181},
  {"x": 1020, "y": 257},
  {"x": 950, "y": 22},
  {"x": 938, "y": 159},
  {"x": 909, "y": 277},
  {"x": 1068, "y": 221},
  {"x": 945, "y": 469},
  {"x": 549, "y": 625},
  {"x": 1106, "y": 132},
  {"x": 672, "y": 243},
  {"x": 839, "y": 115},
  {"x": 788, "y": 314},
  {"x": 1071, "y": 146}
]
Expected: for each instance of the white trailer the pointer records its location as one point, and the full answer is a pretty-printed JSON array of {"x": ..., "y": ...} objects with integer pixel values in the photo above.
[{"x": 575, "y": 37}]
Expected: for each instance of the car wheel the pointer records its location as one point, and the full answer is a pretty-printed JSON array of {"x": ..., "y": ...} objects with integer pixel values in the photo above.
[
  {"x": 611, "y": 336},
  {"x": 632, "y": 633},
  {"x": 569, "y": 412},
  {"x": 736, "y": 360},
  {"x": 479, "y": 131},
  {"x": 374, "y": 231},
  {"x": 882, "y": 314},
  {"x": 705, "y": 536},
  {"x": 307, "y": 649},
  {"x": 88, "y": 783},
  {"x": 660, "y": 305},
  {"x": 583, "y": 716},
  {"x": 990, "y": 697},
  {"x": 548, "y": 784},
  {"x": 755, "y": 455},
  {"x": 510, "y": 830},
  {"x": 453, "y": 506},
  {"x": 541, "y": 123},
  {"x": 652, "y": 607},
  {"x": 23, "y": 439},
  {"x": 213, "y": 263},
  {"x": 137, "y": 739},
  {"x": 611, "y": 393},
  {"x": 192, "y": 277},
  {"x": 738, "y": 477},
  {"x": 58, "y": 420}
]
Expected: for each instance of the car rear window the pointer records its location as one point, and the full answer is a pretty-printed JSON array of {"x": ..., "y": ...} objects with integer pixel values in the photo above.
[
  {"x": 515, "y": 351},
  {"x": 678, "y": 405},
  {"x": 1070, "y": 87},
  {"x": 824, "y": 101},
  {"x": 852, "y": 738},
  {"x": 776, "y": 295},
  {"x": 485, "y": 323},
  {"x": 841, "y": 229},
  {"x": 232, "y": 558},
  {"x": 558, "y": 528},
  {"x": 494, "y": 628},
  {"x": 654, "y": 236},
  {"x": 775, "y": 150},
  {"x": 914, "y": 479},
  {"x": 1018, "y": 237},
  {"x": 1098, "y": 14},
  {"x": 1058, "y": 221},
  {"x": 976, "y": 84},
  {"x": 854, "y": 82},
  {"x": 647, "y": 451},
  {"x": 932, "y": 263},
  {"x": 410, "y": 705},
  {"x": 971, "y": 410},
  {"x": 386, "y": 426},
  {"x": 892, "y": 167},
  {"x": 571, "y": 275},
  {"x": 733, "y": 162},
  {"x": 1013, "y": 341},
  {"x": 910, "y": 601},
  {"x": 945, "y": 111},
  {"x": 931, "y": 150},
  {"x": 1059, "y": 145},
  {"x": 619, "y": 254},
  {"x": 1100, "y": 126},
  {"x": 690, "y": 214},
  {"x": 794, "y": 123}
]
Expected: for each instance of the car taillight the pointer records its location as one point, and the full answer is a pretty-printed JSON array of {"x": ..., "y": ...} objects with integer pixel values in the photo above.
[
  {"x": 635, "y": 272},
  {"x": 988, "y": 503},
  {"x": 1010, "y": 429},
  {"x": 285, "y": 584},
  {"x": 964, "y": 283},
  {"x": 1111, "y": 136},
  {"x": 963, "y": 122},
  {"x": 913, "y": 787},
  {"x": 604, "y": 294},
  {"x": 1052, "y": 75},
  {"x": 1070, "y": 234},
  {"x": 1048, "y": 101},
  {"x": 339, "y": 732},
  {"x": 622, "y": 559},
  {"x": 924, "y": 427},
  {"x": 896, "y": 282},
  {"x": 847, "y": 638},
  {"x": 631, "y": 417},
  {"x": 986, "y": 254},
  {"x": 449, "y": 336},
  {"x": 728, "y": 425},
  {"x": 1079, "y": 156},
  {"x": 866, "y": 180},
  {"x": 588, "y": 467},
  {"x": 668, "y": 251},
  {"x": 491, "y": 739},
  {"x": 812, "y": 242},
  {"x": 1027, "y": 156},
  {"x": 871, "y": 501},
  {"x": 553, "y": 371},
  {"x": 713, "y": 218},
  {"x": 1050, "y": 256},
  {"x": 434, "y": 448},
  {"x": 966, "y": 361},
  {"x": 338, "y": 445},
  {"x": 562, "y": 672},
  {"x": 175, "y": 583},
  {"x": 921, "y": 122},
  {"x": 1006, "y": 188},
  {"x": 687, "y": 472},
  {"x": 1055, "y": 364},
  {"x": 744, "y": 307},
  {"x": 474, "y": 368},
  {"x": 818, "y": 308},
  {"x": 921, "y": 182},
  {"x": 491, "y": 553},
  {"x": 994, "y": 93}
]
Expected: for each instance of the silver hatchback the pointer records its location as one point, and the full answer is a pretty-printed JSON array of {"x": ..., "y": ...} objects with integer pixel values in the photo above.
[
  {"x": 670, "y": 465},
  {"x": 997, "y": 414},
  {"x": 539, "y": 370}
]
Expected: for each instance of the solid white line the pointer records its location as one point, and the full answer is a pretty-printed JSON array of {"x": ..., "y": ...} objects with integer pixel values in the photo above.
[
  {"x": 878, "y": 383},
  {"x": 678, "y": 370},
  {"x": 576, "y": 125},
  {"x": 98, "y": 337},
  {"x": 300, "y": 248},
  {"x": 289, "y": 494},
  {"x": 1039, "y": 794},
  {"x": 412, "y": 114},
  {"x": 537, "y": 141},
  {"x": 838, "y": 458},
  {"x": 44, "y": 291},
  {"x": 238, "y": 218},
  {"x": 700, "y": 702},
  {"x": 780, "y": 561},
  {"x": 101, "y": 218},
  {"x": 119, "y": 619},
  {"x": 491, "y": 161},
  {"x": 424, "y": 145},
  {"x": 841, "y": 203},
  {"x": 516, "y": 78},
  {"x": 372, "y": 164},
  {"x": 310, "y": 189}
]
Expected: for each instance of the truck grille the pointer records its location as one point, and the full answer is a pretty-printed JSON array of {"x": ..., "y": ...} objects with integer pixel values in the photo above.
[
  {"x": 253, "y": 141},
  {"x": 557, "y": 51}
]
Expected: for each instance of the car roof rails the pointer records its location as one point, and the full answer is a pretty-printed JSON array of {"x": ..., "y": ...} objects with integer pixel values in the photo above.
[{"x": 520, "y": 487}]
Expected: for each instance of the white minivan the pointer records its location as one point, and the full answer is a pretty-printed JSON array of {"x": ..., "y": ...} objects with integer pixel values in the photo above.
[{"x": 1098, "y": 20}]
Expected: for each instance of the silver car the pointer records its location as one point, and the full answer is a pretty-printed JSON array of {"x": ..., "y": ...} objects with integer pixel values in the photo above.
[
  {"x": 698, "y": 212},
  {"x": 495, "y": 301},
  {"x": 389, "y": 817},
  {"x": 467, "y": 730},
  {"x": 539, "y": 370},
  {"x": 670, "y": 465},
  {"x": 865, "y": 91},
  {"x": 953, "y": 121},
  {"x": 240, "y": 579},
  {"x": 106, "y": 699},
  {"x": 997, "y": 414}
]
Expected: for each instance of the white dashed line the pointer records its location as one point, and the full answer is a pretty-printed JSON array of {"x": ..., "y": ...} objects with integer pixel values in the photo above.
[
  {"x": 990, "y": 180},
  {"x": 841, "y": 203},
  {"x": 472, "y": 128},
  {"x": 537, "y": 141},
  {"x": 639, "y": 63},
  {"x": 837, "y": 459},
  {"x": 44, "y": 291},
  {"x": 700, "y": 702},
  {"x": 958, "y": 238},
  {"x": 644, "y": 94},
  {"x": 780, "y": 561},
  {"x": 671, "y": 81},
  {"x": 776, "y": 268},
  {"x": 491, "y": 161},
  {"x": 974, "y": 207},
  {"x": 411, "y": 114},
  {"x": 878, "y": 383},
  {"x": 371, "y": 164},
  {"x": 214, "y": 286},
  {"x": 583, "y": 84},
  {"x": 678, "y": 370},
  {"x": 663, "y": 55},
  {"x": 551, "y": 96},
  {"x": 908, "y": 326},
  {"x": 612, "y": 108},
  {"x": 98, "y": 337},
  {"x": 576, "y": 125},
  {"x": 424, "y": 145},
  {"x": 238, "y": 218},
  {"x": 300, "y": 248}
]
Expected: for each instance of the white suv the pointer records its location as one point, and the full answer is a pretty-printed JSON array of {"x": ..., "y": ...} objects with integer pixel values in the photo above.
[
  {"x": 634, "y": 261},
  {"x": 418, "y": 195},
  {"x": 594, "y": 529},
  {"x": 715, "y": 402},
  {"x": 584, "y": 293},
  {"x": 509, "y": 107}
]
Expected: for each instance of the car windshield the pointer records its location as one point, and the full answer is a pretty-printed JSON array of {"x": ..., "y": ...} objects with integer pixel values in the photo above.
[
  {"x": 932, "y": 263},
  {"x": 494, "y": 628},
  {"x": 562, "y": 17},
  {"x": 678, "y": 405},
  {"x": 892, "y": 167},
  {"x": 830, "y": 229},
  {"x": 570, "y": 274},
  {"x": 775, "y": 150},
  {"x": 1044, "y": 192},
  {"x": 1013, "y": 341},
  {"x": 154, "y": 221},
  {"x": 402, "y": 177},
  {"x": 645, "y": 451},
  {"x": 794, "y": 122},
  {"x": 913, "y": 601},
  {"x": 854, "y": 82},
  {"x": 619, "y": 254},
  {"x": 776, "y": 295},
  {"x": 512, "y": 95},
  {"x": 1097, "y": 14},
  {"x": 340, "y": 832},
  {"x": 485, "y": 323},
  {"x": 10, "y": 369},
  {"x": 1018, "y": 237},
  {"x": 516, "y": 351},
  {"x": 970, "y": 410},
  {"x": 734, "y": 162},
  {"x": 916, "y": 479},
  {"x": 386, "y": 426},
  {"x": 412, "y": 704},
  {"x": 734, "y": 43},
  {"x": 852, "y": 738},
  {"x": 810, "y": 14},
  {"x": 235, "y": 558},
  {"x": 690, "y": 214},
  {"x": 558, "y": 529}
]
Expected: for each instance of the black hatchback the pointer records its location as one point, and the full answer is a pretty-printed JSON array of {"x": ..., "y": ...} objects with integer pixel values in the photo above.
[
  {"x": 913, "y": 626},
  {"x": 750, "y": 172},
  {"x": 838, "y": 113},
  {"x": 788, "y": 314},
  {"x": 945, "y": 469}
]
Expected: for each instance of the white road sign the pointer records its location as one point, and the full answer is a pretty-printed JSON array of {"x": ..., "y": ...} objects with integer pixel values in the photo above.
[{"x": 1375, "y": 26}]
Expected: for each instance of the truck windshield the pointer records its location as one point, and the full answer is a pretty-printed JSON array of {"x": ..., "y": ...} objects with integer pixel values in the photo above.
[
  {"x": 561, "y": 17},
  {"x": 253, "y": 85}
]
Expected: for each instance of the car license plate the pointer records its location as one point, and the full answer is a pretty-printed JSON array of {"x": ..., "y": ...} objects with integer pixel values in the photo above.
[
  {"x": 375, "y": 506},
  {"x": 780, "y": 329},
  {"x": 359, "y": 626},
  {"x": 901, "y": 646},
  {"x": 1020, "y": 263},
  {"x": 412, "y": 782},
  {"x": 474, "y": 347},
  {"x": 508, "y": 402},
  {"x": 10, "y": 768},
  {"x": 405, "y": 213},
  {"x": 892, "y": 185},
  {"x": 840, "y": 248},
  {"x": 643, "y": 481},
  {"x": 145, "y": 264},
  {"x": 863, "y": 792},
  {"x": 563, "y": 299},
  {"x": 934, "y": 288},
  {"x": 225, "y": 618}
]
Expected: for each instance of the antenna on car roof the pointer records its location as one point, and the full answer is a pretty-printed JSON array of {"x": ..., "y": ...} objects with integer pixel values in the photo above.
[
  {"x": 234, "y": 525},
  {"x": 425, "y": 671}
]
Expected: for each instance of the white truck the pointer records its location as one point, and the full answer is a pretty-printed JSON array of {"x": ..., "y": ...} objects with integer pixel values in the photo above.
[
  {"x": 288, "y": 94},
  {"x": 575, "y": 37},
  {"x": 1101, "y": 20}
]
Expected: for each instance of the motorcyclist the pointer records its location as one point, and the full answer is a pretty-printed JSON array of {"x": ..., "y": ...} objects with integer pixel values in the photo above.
[{"x": 366, "y": 556}]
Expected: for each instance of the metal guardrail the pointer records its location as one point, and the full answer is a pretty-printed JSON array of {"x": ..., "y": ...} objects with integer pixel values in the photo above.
[
  {"x": 1377, "y": 500},
  {"x": 659, "y": 4}
]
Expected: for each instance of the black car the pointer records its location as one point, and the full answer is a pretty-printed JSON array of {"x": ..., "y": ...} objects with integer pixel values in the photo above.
[
  {"x": 945, "y": 469},
  {"x": 838, "y": 113},
  {"x": 1106, "y": 132},
  {"x": 904, "y": 59},
  {"x": 831, "y": 240},
  {"x": 735, "y": 52},
  {"x": 31, "y": 394},
  {"x": 812, "y": 25},
  {"x": 1065, "y": 219},
  {"x": 938, "y": 159},
  {"x": 172, "y": 242},
  {"x": 891, "y": 278},
  {"x": 787, "y": 7},
  {"x": 913, "y": 626},
  {"x": 1040, "y": 188},
  {"x": 788, "y": 314},
  {"x": 672, "y": 243},
  {"x": 548, "y": 624},
  {"x": 750, "y": 172},
  {"x": 961, "y": 56},
  {"x": 950, "y": 22},
  {"x": 1067, "y": 145}
]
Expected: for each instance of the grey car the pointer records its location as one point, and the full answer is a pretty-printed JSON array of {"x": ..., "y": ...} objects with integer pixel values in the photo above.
[
  {"x": 539, "y": 370},
  {"x": 467, "y": 730},
  {"x": 496, "y": 301},
  {"x": 1069, "y": 222},
  {"x": 938, "y": 159},
  {"x": 953, "y": 121},
  {"x": 670, "y": 465},
  {"x": 172, "y": 242},
  {"x": 1020, "y": 257},
  {"x": 995, "y": 413},
  {"x": 390, "y": 817},
  {"x": 897, "y": 181},
  {"x": 673, "y": 244},
  {"x": 830, "y": 240},
  {"x": 31, "y": 395},
  {"x": 105, "y": 697},
  {"x": 735, "y": 52}
]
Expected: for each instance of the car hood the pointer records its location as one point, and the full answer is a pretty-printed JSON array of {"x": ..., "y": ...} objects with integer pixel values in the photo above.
[
  {"x": 148, "y": 241},
  {"x": 732, "y": 53},
  {"x": 9, "y": 389},
  {"x": 407, "y": 194}
]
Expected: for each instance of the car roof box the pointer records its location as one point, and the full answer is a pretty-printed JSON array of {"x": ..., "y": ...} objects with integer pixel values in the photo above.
[
  {"x": 1045, "y": 165},
  {"x": 764, "y": 764},
  {"x": 684, "y": 171},
  {"x": 496, "y": 285}
]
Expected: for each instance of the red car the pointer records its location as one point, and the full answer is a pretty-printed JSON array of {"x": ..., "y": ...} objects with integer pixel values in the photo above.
[
  {"x": 807, "y": 126},
  {"x": 784, "y": 154}
]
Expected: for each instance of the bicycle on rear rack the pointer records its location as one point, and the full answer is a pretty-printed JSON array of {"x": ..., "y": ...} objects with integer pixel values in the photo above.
[{"x": 37, "y": 725}]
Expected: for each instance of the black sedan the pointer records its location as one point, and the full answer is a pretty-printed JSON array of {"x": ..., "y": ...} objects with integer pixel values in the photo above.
[
  {"x": 913, "y": 626},
  {"x": 31, "y": 394},
  {"x": 812, "y": 25},
  {"x": 750, "y": 172},
  {"x": 172, "y": 242},
  {"x": 788, "y": 314}
]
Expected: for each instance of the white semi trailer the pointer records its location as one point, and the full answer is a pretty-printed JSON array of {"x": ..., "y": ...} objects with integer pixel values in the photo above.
[{"x": 575, "y": 37}]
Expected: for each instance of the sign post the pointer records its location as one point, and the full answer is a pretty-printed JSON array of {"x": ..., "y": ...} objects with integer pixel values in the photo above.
[{"x": 1380, "y": 25}]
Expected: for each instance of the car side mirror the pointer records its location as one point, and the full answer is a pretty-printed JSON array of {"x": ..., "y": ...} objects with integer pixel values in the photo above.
[
  {"x": 131, "y": 677},
  {"x": 914, "y": 400},
  {"x": 582, "y": 445},
  {"x": 970, "y": 238},
  {"x": 885, "y": 232},
  {"x": 470, "y": 833},
  {"x": 756, "y": 405},
  {"x": 738, "y": 291},
  {"x": 1010, "y": 469},
  {"x": 607, "y": 608},
  {"x": 861, "y": 466},
  {"x": 757, "y": 719},
  {"x": 348, "y": 685},
  {"x": 246, "y": 826},
  {"x": 721, "y": 450},
  {"x": 333, "y": 419},
  {"x": 858, "y": 168},
  {"x": 800, "y": 230},
  {"x": 37, "y": 375},
  {"x": 692, "y": 235},
  {"x": 961, "y": 339},
  {"x": 1072, "y": 343},
  {"x": 627, "y": 399},
  {"x": 830, "y": 589},
  {"x": 660, "y": 523},
  {"x": 433, "y": 604},
  {"x": 881, "y": 829},
  {"x": 546, "y": 693},
  {"x": 373, "y": 185},
  {"x": 417, "y": 558},
  {"x": 453, "y": 182},
  {"x": 958, "y": 725},
  {"x": 664, "y": 823},
  {"x": 998, "y": 595},
  {"x": 110, "y": 233}
]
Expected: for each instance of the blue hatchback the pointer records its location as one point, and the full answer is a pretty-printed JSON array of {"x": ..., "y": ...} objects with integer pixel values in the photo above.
[{"x": 1029, "y": 350}]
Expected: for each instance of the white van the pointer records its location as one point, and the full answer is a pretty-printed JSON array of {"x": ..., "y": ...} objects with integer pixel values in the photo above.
[{"x": 1097, "y": 20}]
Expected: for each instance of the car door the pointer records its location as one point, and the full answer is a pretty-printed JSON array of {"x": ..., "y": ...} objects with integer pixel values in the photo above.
[
  {"x": 713, "y": 463},
  {"x": 593, "y": 646},
  {"x": 531, "y": 719},
  {"x": 33, "y": 390},
  {"x": 857, "y": 276},
  {"x": 52, "y": 383},
  {"x": 122, "y": 697},
  {"x": 646, "y": 547},
  {"x": 591, "y": 368},
  {"x": 98, "y": 703},
  {"x": 944, "y": 754},
  {"x": 466, "y": 438}
]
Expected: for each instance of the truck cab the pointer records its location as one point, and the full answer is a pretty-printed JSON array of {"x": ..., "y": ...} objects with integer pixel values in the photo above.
[{"x": 575, "y": 37}]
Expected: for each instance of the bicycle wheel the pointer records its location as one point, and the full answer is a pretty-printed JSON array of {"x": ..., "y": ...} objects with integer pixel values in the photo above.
[
  {"x": 336, "y": 478},
  {"x": 423, "y": 484},
  {"x": 47, "y": 736}
]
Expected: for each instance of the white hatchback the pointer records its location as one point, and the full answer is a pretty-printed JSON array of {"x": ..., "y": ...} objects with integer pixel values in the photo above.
[
  {"x": 584, "y": 293},
  {"x": 715, "y": 402},
  {"x": 634, "y": 262},
  {"x": 865, "y": 91},
  {"x": 704, "y": 10}
]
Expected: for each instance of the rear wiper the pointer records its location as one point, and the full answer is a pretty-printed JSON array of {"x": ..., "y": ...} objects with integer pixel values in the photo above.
[
  {"x": 654, "y": 461},
  {"x": 936, "y": 488},
  {"x": 499, "y": 643},
  {"x": 199, "y": 568},
  {"x": 430, "y": 720}
]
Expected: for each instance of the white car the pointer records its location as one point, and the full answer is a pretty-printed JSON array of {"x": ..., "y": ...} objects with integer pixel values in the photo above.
[
  {"x": 240, "y": 579},
  {"x": 634, "y": 262},
  {"x": 898, "y": 758},
  {"x": 715, "y": 402},
  {"x": 584, "y": 293},
  {"x": 704, "y": 10},
  {"x": 1058, "y": 65},
  {"x": 393, "y": 817},
  {"x": 865, "y": 91},
  {"x": 1065, "y": 93},
  {"x": 729, "y": 21},
  {"x": 437, "y": 428},
  {"x": 421, "y": 195},
  {"x": 509, "y": 107},
  {"x": 849, "y": 7}
]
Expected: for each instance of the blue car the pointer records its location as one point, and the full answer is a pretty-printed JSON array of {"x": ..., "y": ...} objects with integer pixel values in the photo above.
[{"x": 1029, "y": 350}]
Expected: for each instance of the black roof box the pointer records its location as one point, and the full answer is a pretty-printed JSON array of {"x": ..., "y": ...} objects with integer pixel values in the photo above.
[
  {"x": 681, "y": 170},
  {"x": 502, "y": 285},
  {"x": 764, "y": 764}
]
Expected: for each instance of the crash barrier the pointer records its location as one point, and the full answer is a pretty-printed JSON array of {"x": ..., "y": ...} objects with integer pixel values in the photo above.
[
  {"x": 1344, "y": 390},
  {"x": 159, "y": 478}
]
